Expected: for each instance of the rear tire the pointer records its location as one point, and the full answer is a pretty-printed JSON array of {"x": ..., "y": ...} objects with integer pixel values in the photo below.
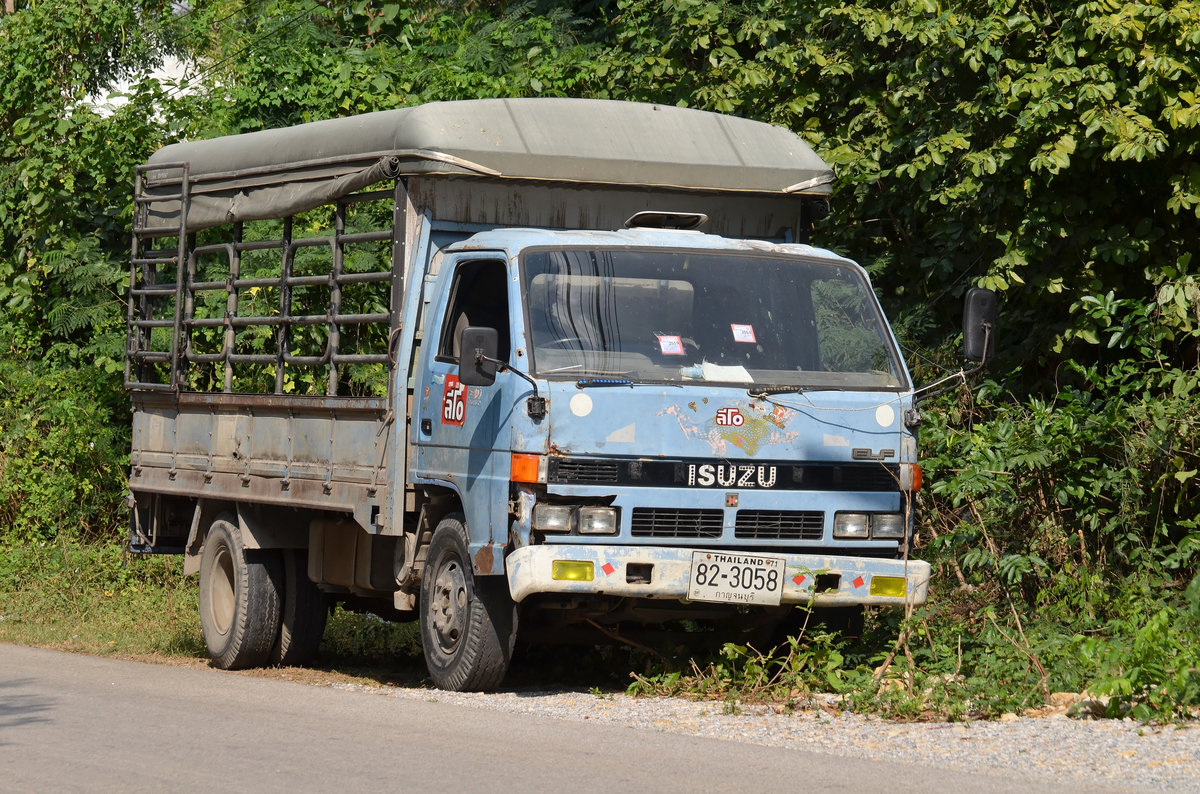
[
  {"x": 305, "y": 609},
  {"x": 468, "y": 624},
  {"x": 239, "y": 598}
]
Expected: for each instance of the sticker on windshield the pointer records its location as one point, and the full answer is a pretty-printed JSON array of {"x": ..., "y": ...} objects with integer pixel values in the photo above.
[
  {"x": 670, "y": 345},
  {"x": 743, "y": 333}
]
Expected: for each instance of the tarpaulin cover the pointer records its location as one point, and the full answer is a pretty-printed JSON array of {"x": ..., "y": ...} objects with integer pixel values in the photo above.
[{"x": 276, "y": 173}]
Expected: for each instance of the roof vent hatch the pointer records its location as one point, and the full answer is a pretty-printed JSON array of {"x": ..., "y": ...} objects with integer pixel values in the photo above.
[{"x": 654, "y": 219}]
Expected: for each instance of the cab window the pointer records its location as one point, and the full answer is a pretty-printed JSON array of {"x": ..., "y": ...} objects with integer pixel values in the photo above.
[{"x": 478, "y": 297}]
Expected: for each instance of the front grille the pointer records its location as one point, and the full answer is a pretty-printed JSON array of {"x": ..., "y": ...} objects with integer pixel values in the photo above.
[
  {"x": 581, "y": 470},
  {"x": 725, "y": 474},
  {"x": 779, "y": 524},
  {"x": 872, "y": 477},
  {"x": 655, "y": 522}
]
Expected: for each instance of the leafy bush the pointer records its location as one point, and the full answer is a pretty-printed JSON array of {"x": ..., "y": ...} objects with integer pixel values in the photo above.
[
  {"x": 63, "y": 453},
  {"x": 812, "y": 662},
  {"x": 1102, "y": 477},
  {"x": 1065, "y": 536}
]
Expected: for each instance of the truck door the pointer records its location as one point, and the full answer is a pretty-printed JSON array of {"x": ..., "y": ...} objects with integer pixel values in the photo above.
[{"x": 463, "y": 434}]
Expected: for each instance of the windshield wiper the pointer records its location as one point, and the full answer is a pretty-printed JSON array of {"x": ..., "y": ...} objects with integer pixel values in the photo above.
[
  {"x": 767, "y": 391},
  {"x": 583, "y": 383}
]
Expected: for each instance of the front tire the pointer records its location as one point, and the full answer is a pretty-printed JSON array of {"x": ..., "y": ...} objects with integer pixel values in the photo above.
[
  {"x": 239, "y": 598},
  {"x": 468, "y": 624}
]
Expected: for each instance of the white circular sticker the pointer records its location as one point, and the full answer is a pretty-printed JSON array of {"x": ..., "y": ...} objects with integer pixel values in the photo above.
[
  {"x": 581, "y": 404},
  {"x": 884, "y": 415}
]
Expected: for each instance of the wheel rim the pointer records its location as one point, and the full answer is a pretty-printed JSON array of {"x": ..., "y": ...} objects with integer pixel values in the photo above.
[
  {"x": 221, "y": 597},
  {"x": 449, "y": 607}
]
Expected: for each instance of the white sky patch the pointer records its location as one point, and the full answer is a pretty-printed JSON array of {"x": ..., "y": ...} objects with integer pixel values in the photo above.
[{"x": 106, "y": 101}]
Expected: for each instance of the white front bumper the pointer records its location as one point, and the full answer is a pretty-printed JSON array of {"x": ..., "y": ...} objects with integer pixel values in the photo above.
[{"x": 529, "y": 572}]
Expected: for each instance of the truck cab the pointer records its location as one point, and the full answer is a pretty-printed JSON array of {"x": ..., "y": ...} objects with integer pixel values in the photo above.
[{"x": 674, "y": 423}]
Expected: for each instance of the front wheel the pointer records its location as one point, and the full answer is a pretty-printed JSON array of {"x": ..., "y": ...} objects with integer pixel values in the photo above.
[{"x": 468, "y": 624}]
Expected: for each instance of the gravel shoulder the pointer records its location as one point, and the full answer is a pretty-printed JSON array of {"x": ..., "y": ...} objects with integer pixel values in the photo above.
[
  {"x": 1089, "y": 755},
  {"x": 1085, "y": 754}
]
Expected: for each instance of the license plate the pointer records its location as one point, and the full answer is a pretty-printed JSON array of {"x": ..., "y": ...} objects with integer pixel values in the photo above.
[{"x": 733, "y": 578}]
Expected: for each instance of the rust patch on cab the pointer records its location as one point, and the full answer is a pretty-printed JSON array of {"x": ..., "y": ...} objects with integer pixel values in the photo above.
[{"x": 485, "y": 558}]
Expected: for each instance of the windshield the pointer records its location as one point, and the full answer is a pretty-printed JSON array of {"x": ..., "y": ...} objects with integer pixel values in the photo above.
[{"x": 673, "y": 316}]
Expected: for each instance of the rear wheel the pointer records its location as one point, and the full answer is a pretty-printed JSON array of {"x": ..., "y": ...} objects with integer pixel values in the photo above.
[
  {"x": 468, "y": 624},
  {"x": 239, "y": 598},
  {"x": 305, "y": 609}
]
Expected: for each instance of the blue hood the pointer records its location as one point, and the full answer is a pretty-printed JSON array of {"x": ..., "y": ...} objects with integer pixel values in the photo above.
[{"x": 726, "y": 423}]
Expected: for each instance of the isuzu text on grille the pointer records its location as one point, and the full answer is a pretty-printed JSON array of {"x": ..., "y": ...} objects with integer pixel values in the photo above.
[{"x": 730, "y": 475}]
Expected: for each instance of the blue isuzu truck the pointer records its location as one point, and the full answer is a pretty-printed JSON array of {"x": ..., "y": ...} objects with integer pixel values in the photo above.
[{"x": 506, "y": 366}]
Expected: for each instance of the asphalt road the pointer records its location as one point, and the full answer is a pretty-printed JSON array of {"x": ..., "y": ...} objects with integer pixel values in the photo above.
[{"x": 79, "y": 723}]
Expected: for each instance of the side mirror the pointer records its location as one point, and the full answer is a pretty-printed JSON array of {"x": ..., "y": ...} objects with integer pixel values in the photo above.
[
  {"x": 477, "y": 355},
  {"x": 979, "y": 325}
]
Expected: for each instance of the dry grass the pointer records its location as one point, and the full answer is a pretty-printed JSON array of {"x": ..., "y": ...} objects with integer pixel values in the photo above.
[{"x": 94, "y": 599}]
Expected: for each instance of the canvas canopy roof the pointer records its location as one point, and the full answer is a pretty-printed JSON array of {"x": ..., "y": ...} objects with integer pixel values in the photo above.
[{"x": 280, "y": 172}]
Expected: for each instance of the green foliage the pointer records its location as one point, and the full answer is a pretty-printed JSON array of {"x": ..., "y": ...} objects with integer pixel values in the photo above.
[
  {"x": 65, "y": 173},
  {"x": 1079, "y": 516},
  {"x": 1044, "y": 150},
  {"x": 58, "y": 53},
  {"x": 63, "y": 453},
  {"x": 812, "y": 662},
  {"x": 309, "y": 61},
  {"x": 366, "y": 638},
  {"x": 1101, "y": 476},
  {"x": 1149, "y": 664}
]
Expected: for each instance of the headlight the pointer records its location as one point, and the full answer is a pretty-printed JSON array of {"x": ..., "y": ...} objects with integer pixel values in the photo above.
[
  {"x": 851, "y": 525},
  {"x": 597, "y": 521},
  {"x": 887, "y": 525},
  {"x": 552, "y": 518}
]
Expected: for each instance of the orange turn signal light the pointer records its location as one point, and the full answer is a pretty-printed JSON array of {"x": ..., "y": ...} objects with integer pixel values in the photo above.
[
  {"x": 528, "y": 468},
  {"x": 910, "y": 476}
]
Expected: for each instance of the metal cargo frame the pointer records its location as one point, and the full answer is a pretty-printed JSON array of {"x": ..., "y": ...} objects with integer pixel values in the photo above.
[{"x": 327, "y": 452}]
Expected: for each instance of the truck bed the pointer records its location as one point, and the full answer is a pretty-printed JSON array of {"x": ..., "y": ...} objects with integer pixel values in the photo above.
[{"x": 323, "y": 453}]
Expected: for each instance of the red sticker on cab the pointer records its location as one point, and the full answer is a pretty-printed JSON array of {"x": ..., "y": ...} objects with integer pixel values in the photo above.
[{"x": 454, "y": 402}]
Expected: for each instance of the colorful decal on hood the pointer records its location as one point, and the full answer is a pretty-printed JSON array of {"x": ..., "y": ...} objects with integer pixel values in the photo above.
[
  {"x": 758, "y": 427},
  {"x": 730, "y": 417}
]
